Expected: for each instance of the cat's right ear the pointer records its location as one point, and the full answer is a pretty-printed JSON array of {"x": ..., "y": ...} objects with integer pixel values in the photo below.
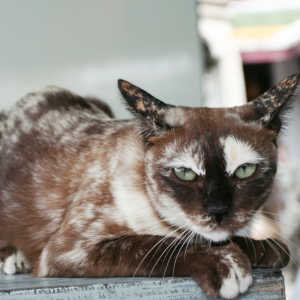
[
  {"x": 144, "y": 106},
  {"x": 270, "y": 109}
]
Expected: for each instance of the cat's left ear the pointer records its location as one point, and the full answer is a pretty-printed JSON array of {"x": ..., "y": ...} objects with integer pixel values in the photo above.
[
  {"x": 270, "y": 108},
  {"x": 145, "y": 106}
]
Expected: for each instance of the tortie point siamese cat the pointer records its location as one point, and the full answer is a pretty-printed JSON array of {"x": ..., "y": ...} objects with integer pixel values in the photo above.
[{"x": 85, "y": 195}]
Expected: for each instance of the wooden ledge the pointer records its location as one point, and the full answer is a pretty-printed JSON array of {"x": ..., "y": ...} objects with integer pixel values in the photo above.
[{"x": 267, "y": 284}]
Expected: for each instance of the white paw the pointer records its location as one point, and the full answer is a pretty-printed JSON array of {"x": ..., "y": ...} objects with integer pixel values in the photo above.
[
  {"x": 16, "y": 263},
  {"x": 238, "y": 281},
  {"x": 9, "y": 265}
]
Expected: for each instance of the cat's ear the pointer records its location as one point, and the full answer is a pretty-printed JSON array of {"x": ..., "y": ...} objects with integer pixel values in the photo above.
[
  {"x": 145, "y": 106},
  {"x": 271, "y": 107}
]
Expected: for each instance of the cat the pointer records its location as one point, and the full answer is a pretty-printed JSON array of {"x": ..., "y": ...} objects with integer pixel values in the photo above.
[{"x": 85, "y": 195}]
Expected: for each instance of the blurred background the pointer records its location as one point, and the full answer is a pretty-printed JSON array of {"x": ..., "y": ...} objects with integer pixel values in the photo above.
[
  {"x": 86, "y": 46},
  {"x": 194, "y": 53}
]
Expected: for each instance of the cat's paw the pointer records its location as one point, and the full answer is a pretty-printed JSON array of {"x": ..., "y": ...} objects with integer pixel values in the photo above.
[
  {"x": 7, "y": 257},
  {"x": 227, "y": 273},
  {"x": 13, "y": 261},
  {"x": 269, "y": 253}
]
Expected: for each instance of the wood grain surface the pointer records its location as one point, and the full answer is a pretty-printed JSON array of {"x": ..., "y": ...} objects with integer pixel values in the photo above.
[{"x": 267, "y": 284}]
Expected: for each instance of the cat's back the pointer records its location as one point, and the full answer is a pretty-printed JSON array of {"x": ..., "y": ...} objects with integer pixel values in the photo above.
[
  {"x": 50, "y": 110},
  {"x": 49, "y": 126}
]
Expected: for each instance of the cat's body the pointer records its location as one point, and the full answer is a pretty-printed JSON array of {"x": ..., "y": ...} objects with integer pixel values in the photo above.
[{"x": 83, "y": 195}]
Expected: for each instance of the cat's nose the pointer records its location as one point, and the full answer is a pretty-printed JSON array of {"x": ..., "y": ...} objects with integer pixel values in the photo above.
[{"x": 218, "y": 212}]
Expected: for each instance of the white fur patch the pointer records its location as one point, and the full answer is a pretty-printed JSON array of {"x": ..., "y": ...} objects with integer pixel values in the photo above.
[
  {"x": 43, "y": 267},
  {"x": 185, "y": 158},
  {"x": 16, "y": 263},
  {"x": 175, "y": 117},
  {"x": 237, "y": 153},
  {"x": 9, "y": 266},
  {"x": 236, "y": 282},
  {"x": 132, "y": 205},
  {"x": 213, "y": 234},
  {"x": 77, "y": 255},
  {"x": 136, "y": 209}
]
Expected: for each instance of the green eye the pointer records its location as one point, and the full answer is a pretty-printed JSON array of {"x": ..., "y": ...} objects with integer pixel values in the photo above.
[
  {"x": 185, "y": 174},
  {"x": 245, "y": 170}
]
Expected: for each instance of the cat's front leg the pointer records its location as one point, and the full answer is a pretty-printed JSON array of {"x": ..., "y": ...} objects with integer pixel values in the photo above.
[
  {"x": 226, "y": 272},
  {"x": 269, "y": 253},
  {"x": 223, "y": 271}
]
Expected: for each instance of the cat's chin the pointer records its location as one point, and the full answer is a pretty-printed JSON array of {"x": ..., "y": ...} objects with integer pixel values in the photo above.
[{"x": 217, "y": 234}]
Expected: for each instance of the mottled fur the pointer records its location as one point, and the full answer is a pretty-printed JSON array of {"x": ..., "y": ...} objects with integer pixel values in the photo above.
[{"x": 84, "y": 195}]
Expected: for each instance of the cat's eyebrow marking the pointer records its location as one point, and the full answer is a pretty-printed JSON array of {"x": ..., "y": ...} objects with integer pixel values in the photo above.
[
  {"x": 238, "y": 152},
  {"x": 185, "y": 159}
]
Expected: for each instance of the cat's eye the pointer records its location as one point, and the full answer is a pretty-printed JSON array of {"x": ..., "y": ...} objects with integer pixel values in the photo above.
[
  {"x": 185, "y": 174},
  {"x": 245, "y": 170}
]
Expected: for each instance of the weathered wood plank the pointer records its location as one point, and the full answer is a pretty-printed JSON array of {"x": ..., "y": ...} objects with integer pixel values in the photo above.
[{"x": 268, "y": 284}]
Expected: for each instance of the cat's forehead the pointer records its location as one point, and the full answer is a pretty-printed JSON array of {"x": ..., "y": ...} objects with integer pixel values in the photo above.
[
  {"x": 205, "y": 117},
  {"x": 212, "y": 122},
  {"x": 219, "y": 134}
]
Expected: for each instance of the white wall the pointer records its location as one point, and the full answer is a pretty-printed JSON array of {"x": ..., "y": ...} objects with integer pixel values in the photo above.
[{"x": 85, "y": 46}]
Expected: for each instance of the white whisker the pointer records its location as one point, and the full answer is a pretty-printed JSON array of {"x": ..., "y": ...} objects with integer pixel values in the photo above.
[{"x": 160, "y": 241}]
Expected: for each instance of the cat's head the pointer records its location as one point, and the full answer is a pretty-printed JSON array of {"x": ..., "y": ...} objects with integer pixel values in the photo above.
[{"x": 209, "y": 169}]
